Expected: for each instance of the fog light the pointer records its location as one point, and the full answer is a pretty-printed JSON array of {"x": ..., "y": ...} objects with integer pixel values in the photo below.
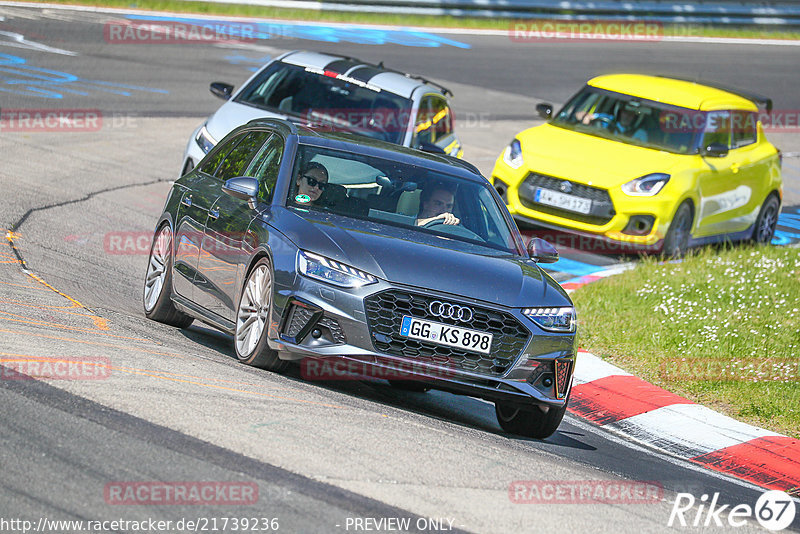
[
  {"x": 639, "y": 225},
  {"x": 316, "y": 333},
  {"x": 547, "y": 382},
  {"x": 502, "y": 189}
]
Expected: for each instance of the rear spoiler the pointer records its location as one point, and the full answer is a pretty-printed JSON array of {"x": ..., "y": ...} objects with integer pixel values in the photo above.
[{"x": 756, "y": 98}]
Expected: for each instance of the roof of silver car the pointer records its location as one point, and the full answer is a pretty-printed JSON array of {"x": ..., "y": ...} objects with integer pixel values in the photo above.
[{"x": 386, "y": 79}]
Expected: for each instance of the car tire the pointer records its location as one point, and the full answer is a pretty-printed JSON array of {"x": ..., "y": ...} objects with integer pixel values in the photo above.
[
  {"x": 253, "y": 317},
  {"x": 410, "y": 385},
  {"x": 676, "y": 242},
  {"x": 767, "y": 221},
  {"x": 157, "y": 293},
  {"x": 533, "y": 423}
]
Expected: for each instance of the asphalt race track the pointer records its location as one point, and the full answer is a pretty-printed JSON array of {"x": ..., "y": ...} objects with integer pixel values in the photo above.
[{"x": 175, "y": 405}]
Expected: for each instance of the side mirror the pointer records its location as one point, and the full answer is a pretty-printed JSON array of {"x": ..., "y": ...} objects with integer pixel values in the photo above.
[
  {"x": 221, "y": 89},
  {"x": 541, "y": 251},
  {"x": 545, "y": 111},
  {"x": 243, "y": 188},
  {"x": 716, "y": 150},
  {"x": 431, "y": 148}
]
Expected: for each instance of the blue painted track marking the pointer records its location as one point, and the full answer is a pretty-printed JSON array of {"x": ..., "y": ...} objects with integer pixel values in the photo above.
[
  {"x": 317, "y": 32},
  {"x": 20, "y": 78},
  {"x": 578, "y": 268}
]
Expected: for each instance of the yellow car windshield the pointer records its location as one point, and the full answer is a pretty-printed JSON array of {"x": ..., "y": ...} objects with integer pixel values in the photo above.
[{"x": 631, "y": 120}]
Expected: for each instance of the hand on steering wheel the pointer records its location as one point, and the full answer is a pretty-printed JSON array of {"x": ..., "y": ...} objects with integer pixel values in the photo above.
[
  {"x": 444, "y": 218},
  {"x": 601, "y": 121}
]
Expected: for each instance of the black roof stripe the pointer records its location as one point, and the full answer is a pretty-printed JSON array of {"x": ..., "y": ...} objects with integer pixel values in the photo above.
[
  {"x": 340, "y": 66},
  {"x": 366, "y": 73}
]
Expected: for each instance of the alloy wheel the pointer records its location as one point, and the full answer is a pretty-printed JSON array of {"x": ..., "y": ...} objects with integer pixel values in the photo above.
[
  {"x": 254, "y": 307},
  {"x": 157, "y": 268}
]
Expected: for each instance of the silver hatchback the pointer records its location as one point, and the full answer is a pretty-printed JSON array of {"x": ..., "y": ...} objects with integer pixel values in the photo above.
[{"x": 339, "y": 92}]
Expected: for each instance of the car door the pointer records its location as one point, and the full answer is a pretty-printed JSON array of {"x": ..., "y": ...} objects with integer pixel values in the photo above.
[
  {"x": 723, "y": 184},
  {"x": 199, "y": 195},
  {"x": 434, "y": 125},
  {"x": 228, "y": 222}
]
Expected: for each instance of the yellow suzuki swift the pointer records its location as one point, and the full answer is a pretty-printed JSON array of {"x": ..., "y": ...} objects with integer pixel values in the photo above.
[{"x": 647, "y": 163}]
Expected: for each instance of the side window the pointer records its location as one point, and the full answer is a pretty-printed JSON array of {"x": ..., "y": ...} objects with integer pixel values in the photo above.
[
  {"x": 744, "y": 128},
  {"x": 265, "y": 167},
  {"x": 423, "y": 126},
  {"x": 718, "y": 128},
  {"x": 442, "y": 119},
  {"x": 237, "y": 159},
  {"x": 209, "y": 165}
]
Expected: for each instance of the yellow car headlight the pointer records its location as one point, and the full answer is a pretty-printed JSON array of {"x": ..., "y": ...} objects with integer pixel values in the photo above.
[
  {"x": 513, "y": 154},
  {"x": 646, "y": 186}
]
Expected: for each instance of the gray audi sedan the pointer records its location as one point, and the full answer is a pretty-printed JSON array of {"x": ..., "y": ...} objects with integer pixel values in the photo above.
[{"x": 359, "y": 258}]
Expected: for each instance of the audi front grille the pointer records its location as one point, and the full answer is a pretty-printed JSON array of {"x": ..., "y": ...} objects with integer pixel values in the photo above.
[{"x": 385, "y": 311}]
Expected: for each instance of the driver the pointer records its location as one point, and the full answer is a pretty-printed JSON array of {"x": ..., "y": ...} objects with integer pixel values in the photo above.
[{"x": 436, "y": 202}]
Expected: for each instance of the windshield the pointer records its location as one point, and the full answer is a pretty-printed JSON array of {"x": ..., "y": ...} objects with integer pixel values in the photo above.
[
  {"x": 426, "y": 205},
  {"x": 323, "y": 97},
  {"x": 626, "y": 119}
]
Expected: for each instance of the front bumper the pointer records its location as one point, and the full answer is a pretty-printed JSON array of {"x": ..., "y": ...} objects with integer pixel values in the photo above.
[
  {"x": 193, "y": 151},
  {"x": 335, "y": 325},
  {"x": 611, "y": 219}
]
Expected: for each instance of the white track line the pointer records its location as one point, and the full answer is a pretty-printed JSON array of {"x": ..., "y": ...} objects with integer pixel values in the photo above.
[
  {"x": 589, "y": 367},
  {"x": 431, "y": 29},
  {"x": 688, "y": 430}
]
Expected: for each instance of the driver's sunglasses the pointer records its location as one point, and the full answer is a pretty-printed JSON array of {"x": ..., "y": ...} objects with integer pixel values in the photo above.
[{"x": 313, "y": 182}]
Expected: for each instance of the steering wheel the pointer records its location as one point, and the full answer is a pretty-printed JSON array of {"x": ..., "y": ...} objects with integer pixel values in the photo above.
[
  {"x": 603, "y": 121},
  {"x": 453, "y": 229}
]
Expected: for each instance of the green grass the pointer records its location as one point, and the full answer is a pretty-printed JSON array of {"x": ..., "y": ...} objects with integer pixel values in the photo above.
[
  {"x": 721, "y": 328},
  {"x": 243, "y": 10}
]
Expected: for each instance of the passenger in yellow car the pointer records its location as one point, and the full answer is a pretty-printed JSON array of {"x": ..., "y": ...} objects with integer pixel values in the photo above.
[{"x": 631, "y": 123}]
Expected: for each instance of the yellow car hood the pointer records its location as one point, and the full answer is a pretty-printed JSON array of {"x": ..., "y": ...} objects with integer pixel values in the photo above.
[{"x": 589, "y": 159}]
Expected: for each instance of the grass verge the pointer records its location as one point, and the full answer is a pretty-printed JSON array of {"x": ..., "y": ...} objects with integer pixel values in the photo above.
[
  {"x": 243, "y": 10},
  {"x": 721, "y": 328}
]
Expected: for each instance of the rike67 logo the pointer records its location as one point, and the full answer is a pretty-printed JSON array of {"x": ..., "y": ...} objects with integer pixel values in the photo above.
[{"x": 774, "y": 510}]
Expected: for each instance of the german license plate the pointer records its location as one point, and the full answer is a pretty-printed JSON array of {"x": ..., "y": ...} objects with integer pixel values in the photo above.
[
  {"x": 445, "y": 334},
  {"x": 560, "y": 200}
]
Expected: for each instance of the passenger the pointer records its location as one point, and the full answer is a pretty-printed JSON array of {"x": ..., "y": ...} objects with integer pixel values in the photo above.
[
  {"x": 311, "y": 183},
  {"x": 436, "y": 202},
  {"x": 626, "y": 124}
]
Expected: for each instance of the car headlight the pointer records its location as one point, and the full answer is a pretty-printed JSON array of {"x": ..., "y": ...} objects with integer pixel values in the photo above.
[
  {"x": 646, "y": 186},
  {"x": 553, "y": 319},
  {"x": 331, "y": 271},
  {"x": 204, "y": 140},
  {"x": 513, "y": 154}
]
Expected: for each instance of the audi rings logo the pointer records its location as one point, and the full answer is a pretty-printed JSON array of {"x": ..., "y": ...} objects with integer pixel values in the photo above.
[{"x": 446, "y": 310}]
